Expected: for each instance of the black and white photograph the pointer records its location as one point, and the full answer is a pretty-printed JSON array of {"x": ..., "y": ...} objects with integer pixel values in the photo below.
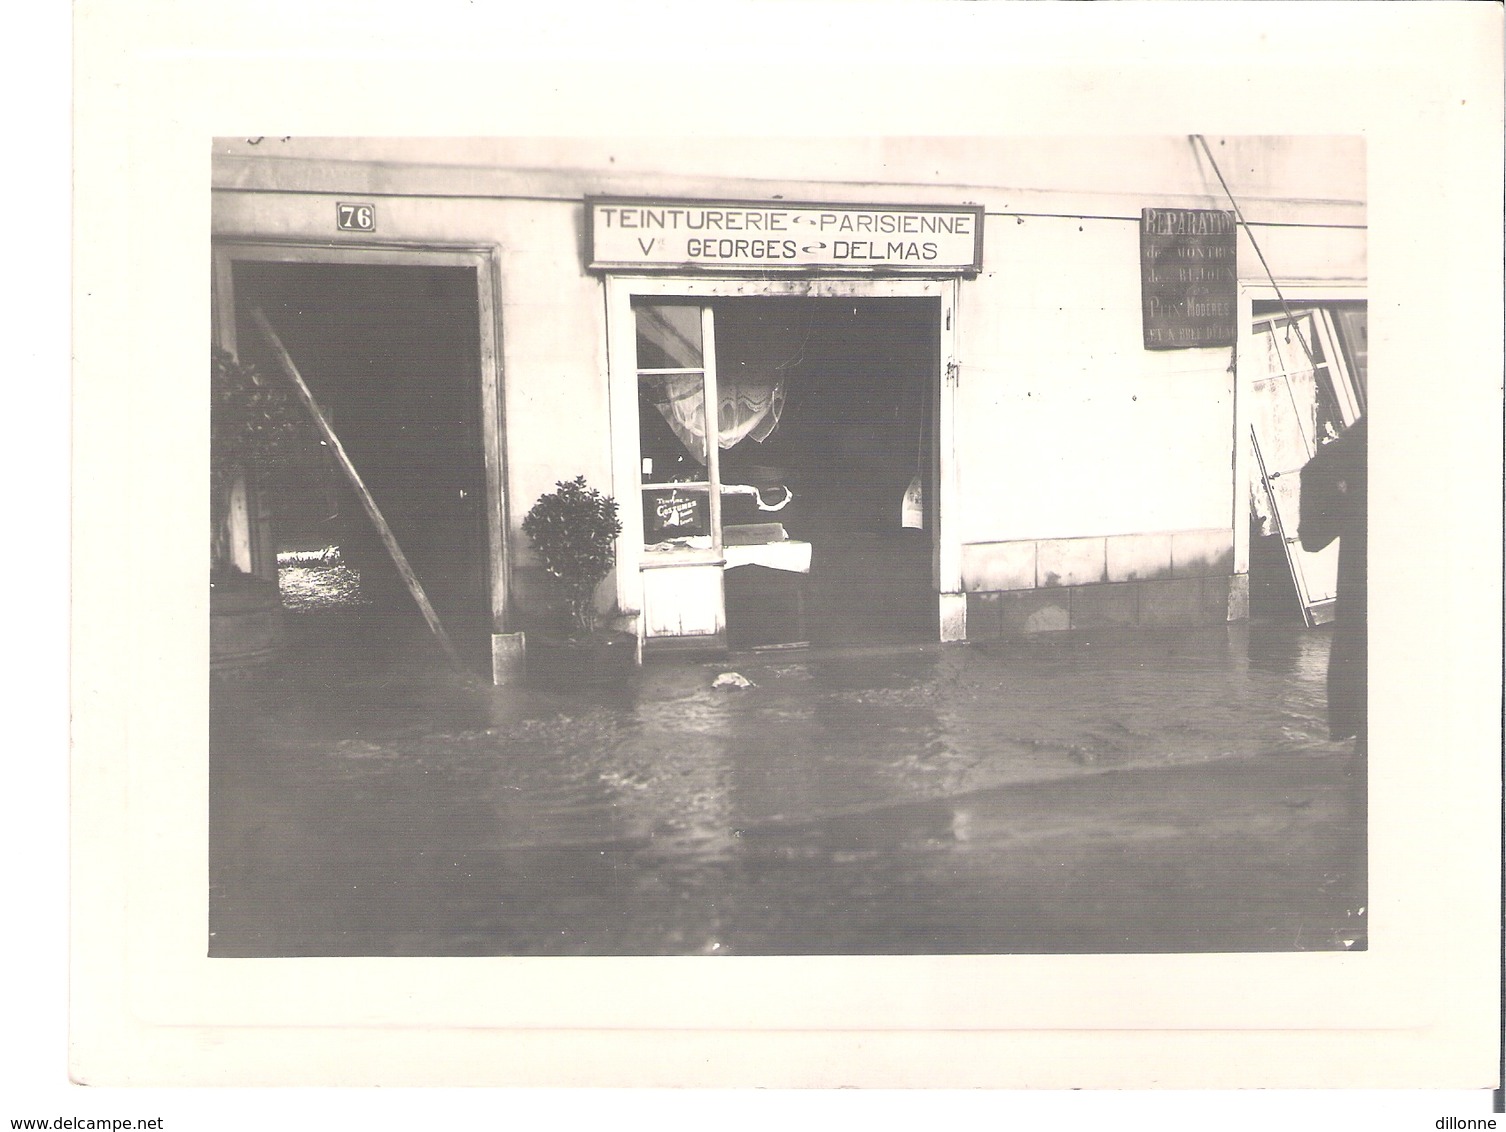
[
  {"x": 1015, "y": 602},
  {"x": 792, "y": 553}
]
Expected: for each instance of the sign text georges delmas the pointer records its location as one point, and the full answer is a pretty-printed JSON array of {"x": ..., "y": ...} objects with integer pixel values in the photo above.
[{"x": 661, "y": 234}]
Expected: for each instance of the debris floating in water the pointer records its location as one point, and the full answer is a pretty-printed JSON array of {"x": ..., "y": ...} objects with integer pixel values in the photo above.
[{"x": 732, "y": 680}]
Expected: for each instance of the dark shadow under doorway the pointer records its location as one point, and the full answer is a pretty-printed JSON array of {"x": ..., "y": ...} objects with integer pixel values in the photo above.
[
  {"x": 392, "y": 354},
  {"x": 856, "y": 445}
]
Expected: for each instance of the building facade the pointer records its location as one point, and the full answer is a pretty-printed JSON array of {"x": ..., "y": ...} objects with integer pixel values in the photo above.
[{"x": 963, "y": 388}]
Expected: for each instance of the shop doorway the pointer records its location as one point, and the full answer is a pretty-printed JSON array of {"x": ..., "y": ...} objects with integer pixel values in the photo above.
[
  {"x": 820, "y": 491},
  {"x": 392, "y": 352},
  {"x": 854, "y": 447}
]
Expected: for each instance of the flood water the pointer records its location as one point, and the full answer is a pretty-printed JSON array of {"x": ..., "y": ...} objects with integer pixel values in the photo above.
[{"x": 1107, "y": 792}]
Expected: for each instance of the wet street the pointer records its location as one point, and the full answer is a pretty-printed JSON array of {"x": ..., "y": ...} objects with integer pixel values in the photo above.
[{"x": 1121, "y": 792}]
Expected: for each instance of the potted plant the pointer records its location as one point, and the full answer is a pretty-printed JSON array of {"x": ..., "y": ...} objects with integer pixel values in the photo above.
[
  {"x": 259, "y": 435},
  {"x": 573, "y": 530}
]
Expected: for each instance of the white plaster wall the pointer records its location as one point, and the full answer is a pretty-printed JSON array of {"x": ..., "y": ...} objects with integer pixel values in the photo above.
[
  {"x": 553, "y": 354},
  {"x": 1004, "y": 171},
  {"x": 1304, "y": 254},
  {"x": 1067, "y": 426}
]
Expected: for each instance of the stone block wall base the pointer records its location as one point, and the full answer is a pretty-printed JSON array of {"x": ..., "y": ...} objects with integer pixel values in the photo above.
[{"x": 1152, "y": 603}]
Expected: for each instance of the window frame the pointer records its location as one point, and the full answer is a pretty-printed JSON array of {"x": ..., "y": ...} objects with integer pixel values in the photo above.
[
  {"x": 622, "y": 380},
  {"x": 226, "y": 252},
  {"x": 1296, "y": 293},
  {"x": 713, "y": 482}
]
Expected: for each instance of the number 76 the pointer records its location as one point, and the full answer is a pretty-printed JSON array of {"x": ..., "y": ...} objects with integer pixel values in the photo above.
[{"x": 356, "y": 217}]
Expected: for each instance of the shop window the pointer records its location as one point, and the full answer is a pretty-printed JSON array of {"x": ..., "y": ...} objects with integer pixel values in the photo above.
[
  {"x": 678, "y": 465},
  {"x": 685, "y": 498},
  {"x": 1352, "y": 327},
  {"x": 1314, "y": 358}
]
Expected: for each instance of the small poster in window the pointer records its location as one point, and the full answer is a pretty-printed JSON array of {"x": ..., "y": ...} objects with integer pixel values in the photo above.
[{"x": 672, "y": 513}]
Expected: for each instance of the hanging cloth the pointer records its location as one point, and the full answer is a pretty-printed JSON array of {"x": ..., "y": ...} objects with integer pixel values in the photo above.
[{"x": 746, "y": 407}]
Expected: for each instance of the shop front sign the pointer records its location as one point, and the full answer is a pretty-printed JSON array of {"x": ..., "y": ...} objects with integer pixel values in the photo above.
[
  {"x": 1188, "y": 283},
  {"x": 728, "y": 235}
]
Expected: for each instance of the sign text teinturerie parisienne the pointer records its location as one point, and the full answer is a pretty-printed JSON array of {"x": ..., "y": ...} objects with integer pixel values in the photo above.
[{"x": 640, "y": 234}]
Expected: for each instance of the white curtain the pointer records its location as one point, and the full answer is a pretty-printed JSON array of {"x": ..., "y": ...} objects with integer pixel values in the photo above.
[{"x": 746, "y": 407}]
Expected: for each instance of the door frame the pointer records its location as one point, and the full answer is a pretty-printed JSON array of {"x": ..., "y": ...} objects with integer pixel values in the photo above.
[
  {"x": 1299, "y": 292},
  {"x": 622, "y": 381},
  {"x": 227, "y": 252}
]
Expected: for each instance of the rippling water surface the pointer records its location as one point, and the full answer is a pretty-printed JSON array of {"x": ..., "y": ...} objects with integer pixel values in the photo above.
[{"x": 675, "y": 817}]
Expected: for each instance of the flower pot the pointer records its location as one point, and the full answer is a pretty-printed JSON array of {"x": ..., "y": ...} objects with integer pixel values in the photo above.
[{"x": 560, "y": 662}]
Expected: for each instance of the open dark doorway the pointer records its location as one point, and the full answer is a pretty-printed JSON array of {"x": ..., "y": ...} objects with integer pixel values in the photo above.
[
  {"x": 855, "y": 445},
  {"x": 392, "y": 355}
]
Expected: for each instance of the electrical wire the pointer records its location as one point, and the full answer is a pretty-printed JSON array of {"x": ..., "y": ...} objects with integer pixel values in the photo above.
[{"x": 1238, "y": 215}]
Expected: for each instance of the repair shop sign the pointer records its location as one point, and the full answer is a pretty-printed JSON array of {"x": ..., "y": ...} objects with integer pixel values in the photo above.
[
  {"x": 658, "y": 235},
  {"x": 1188, "y": 283}
]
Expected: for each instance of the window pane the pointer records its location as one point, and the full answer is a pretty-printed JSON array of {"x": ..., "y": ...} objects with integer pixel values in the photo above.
[
  {"x": 1290, "y": 336},
  {"x": 672, "y": 427},
  {"x": 1354, "y": 338},
  {"x": 676, "y": 517},
  {"x": 1269, "y": 356},
  {"x": 669, "y": 336}
]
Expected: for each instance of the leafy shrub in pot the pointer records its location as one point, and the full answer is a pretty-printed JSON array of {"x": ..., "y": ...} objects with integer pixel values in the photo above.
[{"x": 573, "y": 530}]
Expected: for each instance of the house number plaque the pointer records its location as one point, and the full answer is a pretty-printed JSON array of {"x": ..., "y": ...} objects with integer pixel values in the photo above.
[{"x": 355, "y": 217}]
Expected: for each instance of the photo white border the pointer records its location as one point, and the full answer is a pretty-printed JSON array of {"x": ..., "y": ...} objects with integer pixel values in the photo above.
[{"x": 156, "y": 81}]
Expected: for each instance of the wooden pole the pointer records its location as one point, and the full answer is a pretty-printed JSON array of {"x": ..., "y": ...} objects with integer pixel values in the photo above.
[{"x": 398, "y": 557}]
